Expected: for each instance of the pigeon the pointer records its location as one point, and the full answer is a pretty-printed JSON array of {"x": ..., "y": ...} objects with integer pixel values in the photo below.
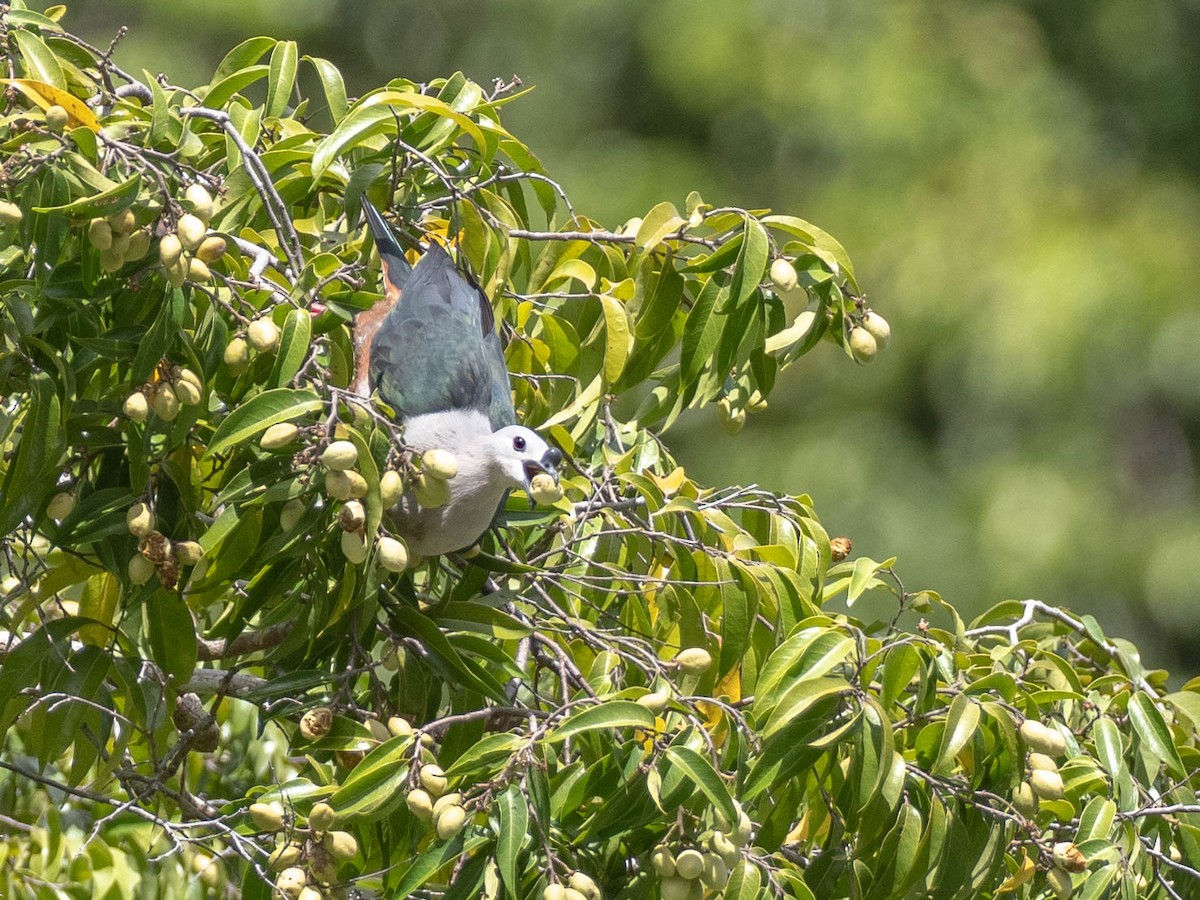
[{"x": 430, "y": 351}]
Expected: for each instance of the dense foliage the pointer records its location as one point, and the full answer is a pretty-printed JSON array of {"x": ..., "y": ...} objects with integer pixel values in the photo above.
[{"x": 212, "y": 681}]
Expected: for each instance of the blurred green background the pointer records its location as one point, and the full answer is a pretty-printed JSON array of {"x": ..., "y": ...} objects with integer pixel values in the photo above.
[{"x": 1017, "y": 182}]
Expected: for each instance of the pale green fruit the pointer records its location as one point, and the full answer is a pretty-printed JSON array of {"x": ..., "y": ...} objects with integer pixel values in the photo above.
[
  {"x": 1042, "y": 738},
  {"x": 420, "y": 804},
  {"x": 433, "y": 779},
  {"x": 136, "y": 407},
  {"x": 123, "y": 222},
  {"x": 554, "y": 892},
  {"x": 188, "y": 393},
  {"x": 284, "y": 857},
  {"x": 454, "y": 798},
  {"x": 391, "y": 488},
  {"x": 198, "y": 271},
  {"x": 399, "y": 726},
  {"x": 663, "y": 860},
  {"x": 862, "y": 346},
  {"x": 354, "y": 547},
  {"x": 341, "y": 844},
  {"x": 290, "y": 514},
  {"x": 715, "y": 873},
  {"x": 166, "y": 403},
  {"x": 266, "y": 816},
  {"x": 357, "y": 484},
  {"x": 177, "y": 272},
  {"x": 877, "y": 326},
  {"x": 1047, "y": 785},
  {"x": 99, "y": 234},
  {"x": 139, "y": 245},
  {"x": 584, "y": 884},
  {"x": 199, "y": 200},
  {"x": 732, "y": 420},
  {"x": 337, "y": 485},
  {"x": 392, "y": 554},
  {"x": 10, "y": 213},
  {"x": 783, "y": 276},
  {"x": 191, "y": 230},
  {"x": 111, "y": 260},
  {"x": 693, "y": 660},
  {"x": 725, "y": 848},
  {"x": 1024, "y": 800},
  {"x": 211, "y": 248},
  {"x": 572, "y": 894},
  {"x": 188, "y": 552},
  {"x": 339, "y": 456},
  {"x": 263, "y": 334},
  {"x": 675, "y": 888},
  {"x": 140, "y": 520},
  {"x": 291, "y": 882},
  {"x": 278, "y": 436},
  {"x": 169, "y": 250},
  {"x": 544, "y": 489},
  {"x": 237, "y": 355},
  {"x": 1041, "y": 761},
  {"x": 431, "y": 493},
  {"x": 1060, "y": 883},
  {"x": 1069, "y": 857},
  {"x": 689, "y": 864},
  {"x": 60, "y": 506},
  {"x": 378, "y": 730},
  {"x": 57, "y": 118},
  {"x": 140, "y": 569},
  {"x": 450, "y": 822},
  {"x": 656, "y": 702},
  {"x": 440, "y": 464}
]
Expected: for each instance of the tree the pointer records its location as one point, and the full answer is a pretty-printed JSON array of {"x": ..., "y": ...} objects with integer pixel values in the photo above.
[{"x": 211, "y": 666}]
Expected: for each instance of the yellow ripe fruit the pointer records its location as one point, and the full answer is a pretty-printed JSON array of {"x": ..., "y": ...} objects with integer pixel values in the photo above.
[
  {"x": 433, "y": 779},
  {"x": 354, "y": 547},
  {"x": 689, "y": 864},
  {"x": 391, "y": 488},
  {"x": 322, "y": 817},
  {"x": 10, "y": 213},
  {"x": 187, "y": 393},
  {"x": 290, "y": 514},
  {"x": 57, "y": 118},
  {"x": 123, "y": 222},
  {"x": 99, "y": 234},
  {"x": 544, "y": 489},
  {"x": 188, "y": 552},
  {"x": 284, "y": 857},
  {"x": 693, "y": 661},
  {"x": 1042, "y": 738},
  {"x": 191, "y": 230},
  {"x": 237, "y": 355},
  {"x": 554, "y": 892},
  {"x": 1047, "y": 785},
  {"x": 732, "y": 420},
  {"x": 450, "y": 822},
  {"x": 139, "y": 245},
  {"x": 278, "y": 436},
  {"x": 316, "y": 723},
  {"x": 140, "y": 520},
  {"x": 140, "y": 569},
  {"x": 430, "y": 492},
  {"x": 439, "y": 464},
  {"x": 392, "y": 554},
  {"x": 341, "y": 844},
  {"x": 291, "y": 882},
  {"x": 198, "y": 271},
  {"x": 136, "y": 407},
  {"x": 266, "y": 816},
  {"x": 862, "y": 345},
  {"x": 263, "y": 334},
  {"x": 169, "y": 250},
  {"x": 877, "y": 326},
  {"x": 339, "y": 456},
  {"x": 399, "y": 726},
  {"x": 420, "y": 804},
  {"x": 166, "y": 403},
  {"x": 199, "y": 200},
  {"x": 783, "y": 276},
  {"x": 211, "y": 248},
  {"x": 60, "y": 506}
]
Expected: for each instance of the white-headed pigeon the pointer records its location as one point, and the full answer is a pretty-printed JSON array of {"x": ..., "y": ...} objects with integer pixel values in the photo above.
[{"x": 431, "y": 351}]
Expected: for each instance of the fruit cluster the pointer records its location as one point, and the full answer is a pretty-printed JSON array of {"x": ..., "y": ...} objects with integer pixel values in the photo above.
[
  {"x": 186, "y": 253},
  {"x": 701, "y": 867},
  {"x": 156, "y": 553},
  {"x": 170, "y": 388},
  {"x": 1045, "y": 744},
  {"x": 309, "y": 854}
]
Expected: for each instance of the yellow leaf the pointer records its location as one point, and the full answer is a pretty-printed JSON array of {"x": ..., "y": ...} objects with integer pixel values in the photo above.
[
  {"x": 47, "y": 95},
  {"x": 1026, "y": 869},
  {"x": 99, "y": 602},
  {"x": 617, "y": 338}
]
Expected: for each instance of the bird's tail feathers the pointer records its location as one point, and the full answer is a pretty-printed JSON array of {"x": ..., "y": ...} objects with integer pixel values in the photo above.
[{"x": 396, "y": 267}]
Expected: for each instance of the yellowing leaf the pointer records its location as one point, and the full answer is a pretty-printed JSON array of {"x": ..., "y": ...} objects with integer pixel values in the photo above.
[
  {"x": 99, "y": 602},
  {"x": 617, "y": 339},
  {"x": 47, "y": 95}
]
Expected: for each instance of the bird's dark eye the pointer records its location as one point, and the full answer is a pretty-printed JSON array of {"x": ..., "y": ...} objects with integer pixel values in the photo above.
[{"x": 519, "y": 444}]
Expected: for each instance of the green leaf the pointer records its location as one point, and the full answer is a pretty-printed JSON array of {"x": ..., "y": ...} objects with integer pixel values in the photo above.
[
  {"x": 750, "y": 267},
  {"x": 333, "y": 85},
  {"x": 443, "y": 654},
  {"x": 745, "y": 882},
  {"x": 1149, "y": 725},
  {"x": 656, "y": 225},
  {"x": 514, "y": 824},
  {"x": 282, "y": 79},
  {"x": 1096, "y": 820},
  {"x": 701, "y": 331},
  {"x": 294, "y": 342},
  {"x": 617, "y": 339},
  {"x": 376, "y": 784},
  {"x": 800, "y": 696},
  {"x": 260, "y": 413},
  {"x": 29, "y": 477},
  {"x": 474, "y": 616},
  {"x": 172, "y": 634},
  {"x": 103, "y": 204},
  {"x": 610, "y": 714},
  {"x": 244, "y": 54},
  {"x": 702, "y": 774},
  {"x": 40, "y": 61},
  {"x": 962, "y": 721},
  {"x": 439, "y": 855}
]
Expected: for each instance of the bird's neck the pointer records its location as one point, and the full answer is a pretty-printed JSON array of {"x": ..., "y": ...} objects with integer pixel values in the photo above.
[{"x": 456, "y": 430}]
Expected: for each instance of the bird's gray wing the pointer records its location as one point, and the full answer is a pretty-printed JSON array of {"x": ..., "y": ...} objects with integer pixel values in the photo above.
[{"x": 438, "y": 348}]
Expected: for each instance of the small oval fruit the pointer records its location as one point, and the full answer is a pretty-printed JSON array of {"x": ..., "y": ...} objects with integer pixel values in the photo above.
[
  {"x": 136, "y": 407},
  {"x": 1060, "y": 883},
  {"x": 689, "y": 864},
  {"x": 877, "y": 326},
  {"x": 284, "y": 857},
  {"x": 1041, "y": 761},
  {"x": 339, "y": 456},
  {"x": 420, "y": 804},
  {"x": 725, "y": 848},
  {"x": 392, "y": 554},
  {"x": 399, "y": 726},
  {"x": 391, "y": 488},
  {"x": 663, "y": 860},
  {"x": 211, "y": 248},
  {"x": 263, "y": 334},
  {"x": 431, "y": 493},
  {"x": 1069, "y": 857},
  {"x": 237, "y": 355},
  {"x": 732, "y": 420},
  {"x": 111, "y": 260},
  {"x": 337, "y": 485},
  {"x": 357, "y": 484},
  {"x": 354, "y": 547},
  {"x": 675, "y": 888},
  {"x": 278, "y": 436},
  {"x": 583, "y": 883},
  {"x": 198, "y": 271},
  {"x": 693, "y": 660},
  {"x": 199, "y": 200},
  {"x": 341, "y": 844},
  {"x": 316, "y": 723},
  {"x": 60, "y": 505},
  {"x": 450, "y": 822},
  {"x": 352, "y": 515},
  {"x": 433, "y": 779},
  {"x": 543, "y": 489},
  {"x": 291, "y": 882},
  {"x": 862, "y": 346},
  {"x": 166, "y": 403},
  {"x": 378, "y": 730},
  {"x": 123, "y": 222},
  {"x": 440, "y": 464},
  {"x": 266, "y": 816},
  {"x": 140, "y": 569},
  {"x": 10, "y": 213},
  {"x": 1025, "y": 801},
  {"x": 140, "y": 520},
  {"x": 310, "y": 893},
  {"x": 321, "y": 817},
  {"x": 169, "y": 250},
  {"x": 139, "y": 245},
  {"x": 188, "y": 393},
  {"x": 99, "y": 234},
  {"x": 655, "y": 701},
  {"x": 188, "y": 553},
  {"x": 554, "y": 892},
  {"x": 191, "y": 230},
  {"x": 57, "y": 118},
  {"x": 177, "y": 272},
  {"x": 1047, "y": 785},
  {"x": 454, "y": 798},
  {"x": 290, "y": 514},
  {"x": 783, "y": 276},
  {"x": 715, "y": 873},
  {"x": 1043, "y": 738}
]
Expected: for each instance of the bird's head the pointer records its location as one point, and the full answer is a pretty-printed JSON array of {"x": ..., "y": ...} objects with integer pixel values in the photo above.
[{"x": 520, "y": 453}]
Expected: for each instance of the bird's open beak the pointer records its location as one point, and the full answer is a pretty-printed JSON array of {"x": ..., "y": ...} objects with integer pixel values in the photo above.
[{"x": 549, "y": 464}]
